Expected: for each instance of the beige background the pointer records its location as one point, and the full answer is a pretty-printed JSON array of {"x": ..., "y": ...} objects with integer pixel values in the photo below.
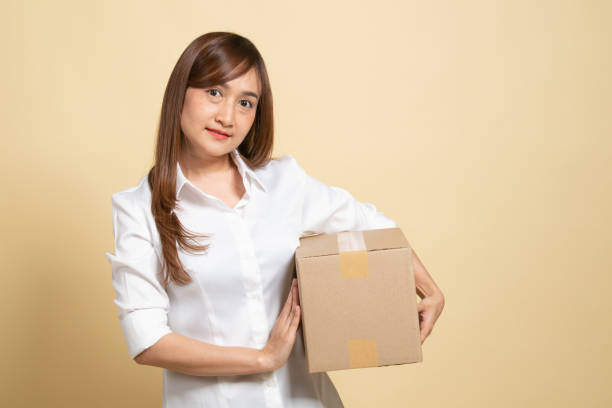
[{"x": 482, "y": 127}]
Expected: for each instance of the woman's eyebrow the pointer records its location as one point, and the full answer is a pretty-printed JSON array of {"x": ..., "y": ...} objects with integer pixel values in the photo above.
[{"x": 248, "y": 93}]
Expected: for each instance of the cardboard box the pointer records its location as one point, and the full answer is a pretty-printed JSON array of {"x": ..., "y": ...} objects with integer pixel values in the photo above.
[{"x": 358, "y": 299}]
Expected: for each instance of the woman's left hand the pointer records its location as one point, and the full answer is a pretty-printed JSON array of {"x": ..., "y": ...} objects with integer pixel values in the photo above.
[{"x": 429, "y": 308}]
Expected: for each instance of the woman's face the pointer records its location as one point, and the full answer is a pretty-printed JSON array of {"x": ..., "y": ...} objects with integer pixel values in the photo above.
[{"x": 229, "y": 108}]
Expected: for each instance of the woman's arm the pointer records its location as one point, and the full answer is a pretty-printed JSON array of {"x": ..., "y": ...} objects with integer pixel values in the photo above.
[
  {"x": 425, "y": 286},
  {"x": 186, "y": 355},
  {"x": 331, "y": 209},
  {"x": 432, "y": 299},
  {"x": 189, "y": 356}
]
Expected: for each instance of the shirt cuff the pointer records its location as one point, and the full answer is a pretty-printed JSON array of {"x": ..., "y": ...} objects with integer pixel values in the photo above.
[{"x": 143, "y": 328}]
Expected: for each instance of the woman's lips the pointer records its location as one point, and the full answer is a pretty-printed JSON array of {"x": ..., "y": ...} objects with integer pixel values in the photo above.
[{"x": 217, "y": 135}]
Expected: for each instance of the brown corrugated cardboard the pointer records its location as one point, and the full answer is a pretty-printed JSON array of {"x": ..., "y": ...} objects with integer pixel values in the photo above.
[{"x": 358, "y": 300}]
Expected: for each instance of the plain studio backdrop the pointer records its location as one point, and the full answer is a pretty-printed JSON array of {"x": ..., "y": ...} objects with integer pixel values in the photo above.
[{"x": 482, "y": 127}]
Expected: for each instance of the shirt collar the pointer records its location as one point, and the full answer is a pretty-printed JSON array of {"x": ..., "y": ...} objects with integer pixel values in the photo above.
[{"x": 244, "y": 170}]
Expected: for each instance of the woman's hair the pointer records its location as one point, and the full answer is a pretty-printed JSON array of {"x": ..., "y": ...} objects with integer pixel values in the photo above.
[{"x": 211, "y": 59}]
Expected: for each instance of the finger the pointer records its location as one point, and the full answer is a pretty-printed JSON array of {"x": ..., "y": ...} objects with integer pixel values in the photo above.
[
  {"x": 424, "y": 334},
  {"x": 291, "y": 291},
  {"x": 292, "y": 299},
  {"x": 296, "y": 318},
  {"x": 284, "y": 318},
  {"x": 289, "y": 316},
  {"x": 287, "y": 307},
  {"x": 285, "y": 323},
  {"x": 426, "y": 328},
  {"x": 297, "y": 294},
  {"x": 421, "y": 312}
]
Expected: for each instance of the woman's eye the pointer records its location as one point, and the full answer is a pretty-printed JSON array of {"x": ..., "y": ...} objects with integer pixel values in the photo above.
[
  {"x": 212, "y": 90},
  {"x": 249, "y": 104}
]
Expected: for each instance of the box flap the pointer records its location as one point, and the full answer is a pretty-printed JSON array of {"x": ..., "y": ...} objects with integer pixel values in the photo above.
[{"x": 330, "y": 244}]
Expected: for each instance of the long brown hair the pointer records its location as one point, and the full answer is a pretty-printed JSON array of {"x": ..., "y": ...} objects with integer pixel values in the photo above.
[{"x": 211, "y": 59}]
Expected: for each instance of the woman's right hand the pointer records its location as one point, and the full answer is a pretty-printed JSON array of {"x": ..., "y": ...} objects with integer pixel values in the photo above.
[{"x": 281, "y": 340}]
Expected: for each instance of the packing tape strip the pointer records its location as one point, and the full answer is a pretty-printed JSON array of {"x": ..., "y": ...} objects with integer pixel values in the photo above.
[
  {"x": 353, "y": 254},
  {"x": 354, "y": 264},
  {"x": 351, "y": 241},
  {"x": 362, "y": 353}
]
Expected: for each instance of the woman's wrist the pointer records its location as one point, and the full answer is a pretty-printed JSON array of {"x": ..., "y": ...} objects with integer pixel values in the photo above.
[{"x": 263, "y": 361}]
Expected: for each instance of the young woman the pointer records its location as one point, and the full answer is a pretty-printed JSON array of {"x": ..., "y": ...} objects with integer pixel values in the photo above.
[{"x": 204, "y": 244}]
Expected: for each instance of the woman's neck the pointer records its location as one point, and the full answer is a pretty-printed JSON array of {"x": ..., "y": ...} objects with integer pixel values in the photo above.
[{"x": 197, "y": 168}]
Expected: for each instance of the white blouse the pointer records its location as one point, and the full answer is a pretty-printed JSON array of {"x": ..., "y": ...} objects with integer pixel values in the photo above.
[{"x": 239, "y": 285}]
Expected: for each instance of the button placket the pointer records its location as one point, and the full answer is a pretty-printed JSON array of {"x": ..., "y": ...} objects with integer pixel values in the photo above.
[
  {"x": 254, "y": 292},
  {"x": 251, "y": 279}
]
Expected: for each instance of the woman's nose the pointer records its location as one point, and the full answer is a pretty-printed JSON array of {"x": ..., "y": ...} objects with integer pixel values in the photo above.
[{"x": 225, "y": 114}]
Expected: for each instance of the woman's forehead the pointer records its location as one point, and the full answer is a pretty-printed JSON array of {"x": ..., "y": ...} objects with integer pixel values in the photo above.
[{"x": 246, "y": 84}]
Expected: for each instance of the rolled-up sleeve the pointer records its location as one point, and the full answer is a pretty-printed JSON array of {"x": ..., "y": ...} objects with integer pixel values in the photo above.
[
  {"x": 330, "y": 209},
  {"x": 140, "y": 297}
]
